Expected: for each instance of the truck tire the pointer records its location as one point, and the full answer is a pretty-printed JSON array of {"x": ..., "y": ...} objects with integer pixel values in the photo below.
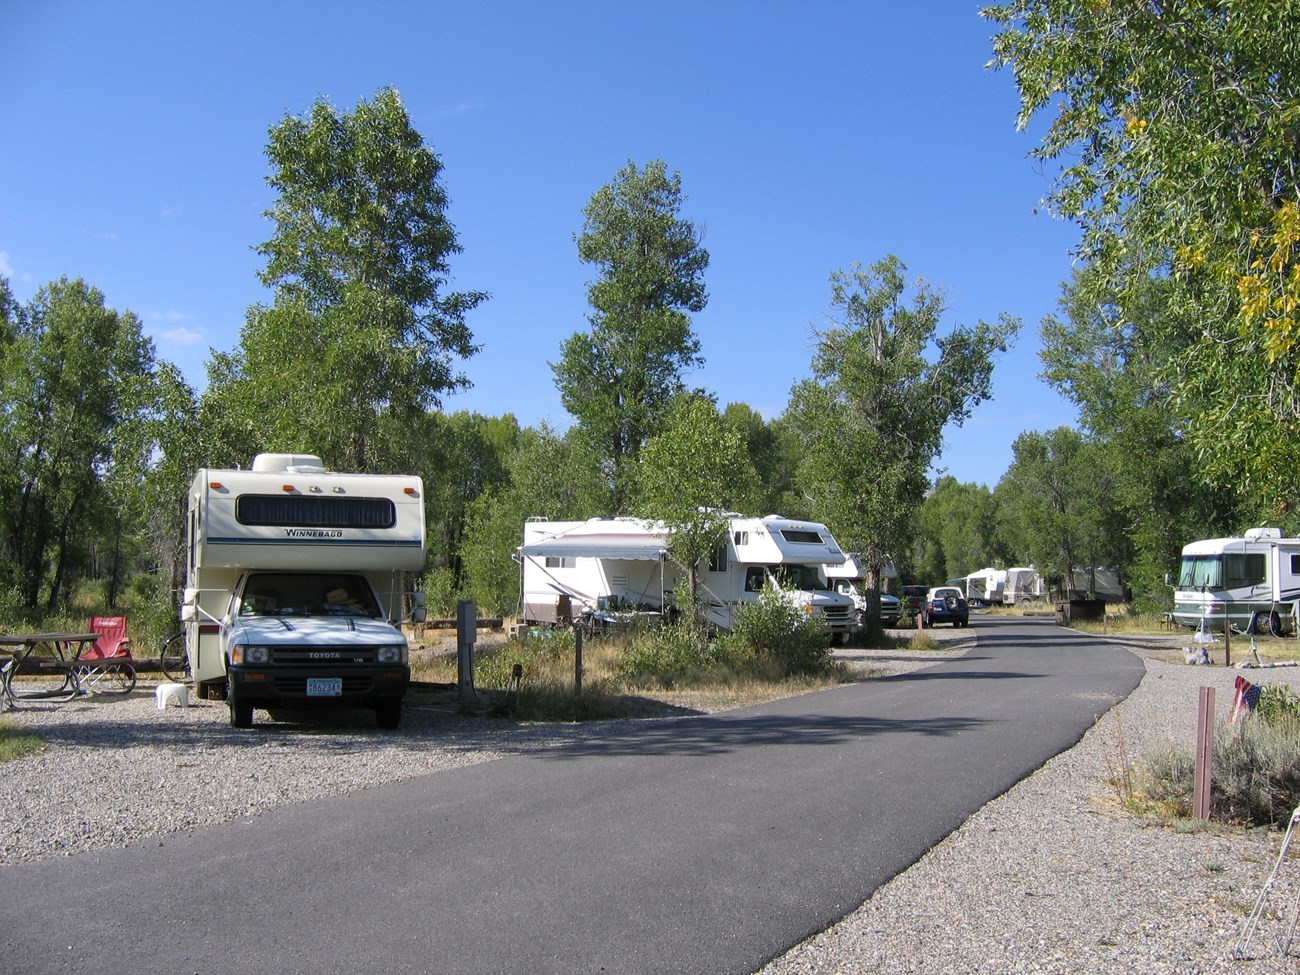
[
  {"x": 388, "y": 713},
  {"x": 241, "y": 712}
]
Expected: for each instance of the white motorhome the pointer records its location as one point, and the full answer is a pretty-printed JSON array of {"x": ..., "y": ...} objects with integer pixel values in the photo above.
[
  {"x": 609, "y": 568},
  {"x": 1226, "y": 580},
  {"x": 848, "y": 577},
  {"x": 295, "y": 582}
]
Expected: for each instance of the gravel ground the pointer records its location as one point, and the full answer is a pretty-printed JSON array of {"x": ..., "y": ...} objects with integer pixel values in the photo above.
[{"x": 1052, "y": 877}]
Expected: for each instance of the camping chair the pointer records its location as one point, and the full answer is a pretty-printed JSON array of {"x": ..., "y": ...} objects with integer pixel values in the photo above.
[{"x": 112, "y": 642}]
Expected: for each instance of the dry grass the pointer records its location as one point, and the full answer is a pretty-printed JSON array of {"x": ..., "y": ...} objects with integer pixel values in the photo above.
[{"x": 545, "y": 688}]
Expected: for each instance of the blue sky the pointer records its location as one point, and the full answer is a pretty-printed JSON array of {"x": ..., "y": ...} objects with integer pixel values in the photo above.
[{"x": 808, "y": 137}]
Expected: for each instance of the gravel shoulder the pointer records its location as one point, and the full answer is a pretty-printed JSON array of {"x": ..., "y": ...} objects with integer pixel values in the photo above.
[{"x": 1051, "y": 877}]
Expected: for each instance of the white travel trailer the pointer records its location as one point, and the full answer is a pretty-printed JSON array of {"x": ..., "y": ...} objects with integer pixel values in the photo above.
[
  {"x": 1226, "y": 580},
  {"x": 1023, "y": 585},
  {"x": 611, "y": 568},
  {"x": 294, "y": 583},
  {"x": 986, "y": 587}
]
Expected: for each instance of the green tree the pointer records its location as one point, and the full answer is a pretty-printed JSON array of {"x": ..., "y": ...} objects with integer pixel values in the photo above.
[
  {"x": 549, "y": 476},
  {"x": 1055, "y": 503},
  {"x": 1174, "y": 128},
  {"x": 74, "y": 375},
  {"x": 774, "y": 454},
  {"x": 884, "y": 386},
  {"x": 692, "y": 472},
  {"x": 957, "y": 531},
  {"x": 363, "y": 330},
  {"x": 619, "y": 378},
  {"x": 1111, "y": 366}
]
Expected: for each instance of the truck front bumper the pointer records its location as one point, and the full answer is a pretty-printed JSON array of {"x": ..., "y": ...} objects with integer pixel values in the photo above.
[{"x": 269, "y": 685}]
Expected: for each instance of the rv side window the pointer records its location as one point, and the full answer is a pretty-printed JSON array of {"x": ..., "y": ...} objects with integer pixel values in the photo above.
[
  {"x": 558, "y": 563},
  {"x": 1242, "y": 570},
  {"x": 306, "y": 511},
  {"x": 1295, "y": 565},
  {"x": 800, "y": 535},
  {"x": 754, "y": 579},
  {"x": 718, "y": 560},
  {"x": 742, "y": 538}
]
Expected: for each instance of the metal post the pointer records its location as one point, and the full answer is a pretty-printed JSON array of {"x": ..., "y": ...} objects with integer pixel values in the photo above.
[
  {"x": 1227, "y": 640},
  {"x": 466, "y": 634},
  {"x": 1204, "y": 753}
]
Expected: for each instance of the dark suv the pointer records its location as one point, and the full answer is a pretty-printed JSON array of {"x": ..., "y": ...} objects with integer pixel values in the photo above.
[{"x": 914, "y": 600}]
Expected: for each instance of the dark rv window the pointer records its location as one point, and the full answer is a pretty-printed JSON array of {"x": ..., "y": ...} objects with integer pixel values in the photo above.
[
  {"x": 795, "y": 535},
  {"x": 305, "y": 511}
]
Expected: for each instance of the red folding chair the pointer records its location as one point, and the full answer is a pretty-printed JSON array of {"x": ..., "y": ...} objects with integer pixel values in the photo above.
[
  {"x": 112, "y": 642},
  {"x": 107, "y": 667}
]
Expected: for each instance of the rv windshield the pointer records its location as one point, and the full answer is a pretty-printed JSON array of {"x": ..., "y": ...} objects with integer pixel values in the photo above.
[
  {"x": 1232, "y": 570},
  {"x": 307, "y": 594},
  {"x": 1201, "y": 572},
  {"x": 803, "y": 578}
]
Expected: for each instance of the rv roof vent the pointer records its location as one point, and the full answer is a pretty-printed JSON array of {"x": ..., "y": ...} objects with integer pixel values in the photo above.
[
  {"x": 297, "y": 463},
  {"x": 1264, "y": 533}
]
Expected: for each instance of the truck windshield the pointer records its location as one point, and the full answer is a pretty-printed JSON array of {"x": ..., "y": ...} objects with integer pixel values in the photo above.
[{"x": 307, "y": 594}]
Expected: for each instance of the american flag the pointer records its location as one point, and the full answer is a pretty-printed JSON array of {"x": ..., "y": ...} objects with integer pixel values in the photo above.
[{"x": 1244, "y": 699}]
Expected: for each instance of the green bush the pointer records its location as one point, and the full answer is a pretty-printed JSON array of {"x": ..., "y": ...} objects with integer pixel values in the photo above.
[
  {"x": 771, "y": 629},
  {"x": 675, "y": 654},
  {"x": 1256, "y": 766}
]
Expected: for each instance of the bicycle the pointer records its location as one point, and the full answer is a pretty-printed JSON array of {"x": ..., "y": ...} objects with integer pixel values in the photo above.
[{"x": 173, "y": 661}]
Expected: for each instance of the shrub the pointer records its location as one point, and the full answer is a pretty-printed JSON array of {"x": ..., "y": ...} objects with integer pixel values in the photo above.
[
  {"x": 771, "y": 629},
  {"x": 679, "y": 653},
  {"x": 1256, "y": 770}
]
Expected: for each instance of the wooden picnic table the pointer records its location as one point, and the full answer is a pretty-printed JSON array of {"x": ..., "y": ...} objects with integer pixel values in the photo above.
[{"x": 47, "y": 653}]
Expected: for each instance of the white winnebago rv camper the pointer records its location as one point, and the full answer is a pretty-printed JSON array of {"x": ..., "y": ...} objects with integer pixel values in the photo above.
[
  {"x": 295, "y": 582},
  {"x": 1229, "y": 579},
  {"x": 609, "y": 568}
]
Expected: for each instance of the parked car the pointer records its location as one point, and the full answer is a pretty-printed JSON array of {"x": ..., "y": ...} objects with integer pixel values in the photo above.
[
  {"x": 914, "y": 600},
  {"x": 946, "y": 604}
]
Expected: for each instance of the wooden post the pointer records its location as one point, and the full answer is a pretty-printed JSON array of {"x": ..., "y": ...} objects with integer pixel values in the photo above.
[
  {"x": 577, "y": 660},
  {"x": 1204, "y": 753}
]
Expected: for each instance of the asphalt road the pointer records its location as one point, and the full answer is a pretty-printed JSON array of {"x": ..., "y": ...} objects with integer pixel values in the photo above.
[{"x": 695, "y": 845}]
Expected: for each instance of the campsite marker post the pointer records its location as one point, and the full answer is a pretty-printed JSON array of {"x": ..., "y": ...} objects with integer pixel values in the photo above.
[{"x": 1204, "y": 753}]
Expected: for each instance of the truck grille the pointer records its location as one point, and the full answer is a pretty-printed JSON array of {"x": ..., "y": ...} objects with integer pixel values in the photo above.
[{"x": 345, "y": 657}]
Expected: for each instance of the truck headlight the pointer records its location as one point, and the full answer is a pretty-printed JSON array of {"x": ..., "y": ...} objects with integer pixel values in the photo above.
[
  {"x": 391, "y": 655},
  {"x": 250, "y": 655}
]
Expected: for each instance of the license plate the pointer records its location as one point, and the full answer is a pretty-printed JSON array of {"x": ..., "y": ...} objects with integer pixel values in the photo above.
[{"x": 324, "y": 686}]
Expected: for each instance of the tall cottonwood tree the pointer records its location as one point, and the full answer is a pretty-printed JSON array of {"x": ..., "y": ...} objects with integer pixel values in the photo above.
[
  {"x": 75, "y": 377},
  {"x": 363, "y": 329},
  {"x": 1172, "y": 140},
  {"x": 694, "y": 470},
  {"x": 884, "y": 386},
  {"x": 618, "y": 379}
]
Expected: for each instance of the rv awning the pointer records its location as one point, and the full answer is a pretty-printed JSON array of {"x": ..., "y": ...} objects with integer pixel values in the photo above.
[{"x": 632, "y": 547}]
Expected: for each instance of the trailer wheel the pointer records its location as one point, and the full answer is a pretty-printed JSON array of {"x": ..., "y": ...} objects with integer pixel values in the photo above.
[
  {"x": 241, "y": 711},
  {"x": 388, "y": 713},
  {"x": 1275, "y": 623}
]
